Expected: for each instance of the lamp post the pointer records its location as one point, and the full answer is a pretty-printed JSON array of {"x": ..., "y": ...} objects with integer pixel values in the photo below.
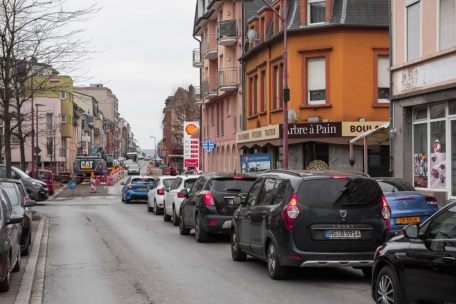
[
  {"x": 286, "y": 90},
  {"x": 155, "y": 147},
  {"x": 37, "y": 145}
]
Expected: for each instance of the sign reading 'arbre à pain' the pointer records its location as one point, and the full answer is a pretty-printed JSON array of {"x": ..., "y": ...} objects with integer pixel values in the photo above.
[{"x": 324, "y": 129}]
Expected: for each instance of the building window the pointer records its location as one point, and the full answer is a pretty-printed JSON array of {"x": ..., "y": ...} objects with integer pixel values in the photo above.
[
  {"x": 277, "y": 86},
  {"x": 253, "y": 100},
  {"x": 62, "y": 95},
  {"x": 316, "y": 80},
  {"x": 316, "y": 11},
  {"x": 63, "y": 119},
  {"x": 314, "y": 151},
  {"x": 447, "y": 23},
  {"x": 383, "y": 78},
  {"x": 228, "y": 107},
  {"x": 234, "y": 123},
  {"x": 50, "y": 146},
  {"x": 413, "y": 31},
  {"x": 49, "y": 122},
  {"x": 14, "y": 140},
  {"x": 212, "y": 115},
  {"x": 263, "y": 92}
]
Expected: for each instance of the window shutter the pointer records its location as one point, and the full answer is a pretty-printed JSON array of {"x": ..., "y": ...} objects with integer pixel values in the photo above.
[
  {"x": 413, "y": 31},
  {"x": 383, "y": 73},
  {"x": 316, "y": 74},
  {"x": 447, "y": 24}
]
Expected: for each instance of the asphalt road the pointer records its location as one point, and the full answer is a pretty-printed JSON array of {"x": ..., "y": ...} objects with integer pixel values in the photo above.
[{"x": 104, "y": 251}]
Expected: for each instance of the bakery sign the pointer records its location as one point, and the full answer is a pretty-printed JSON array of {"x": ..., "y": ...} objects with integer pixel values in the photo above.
[
  {"x": 356, "y": 128},
  {"x": 309, "y": 130},
  {"x": 264, "y": 133}
]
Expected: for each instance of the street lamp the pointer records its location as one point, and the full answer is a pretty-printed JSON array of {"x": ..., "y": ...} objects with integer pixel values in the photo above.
[
  {"x": 37, "y": 146},
  {"x": 286, "y": 90},
  {"x": 155, "y": 147}
]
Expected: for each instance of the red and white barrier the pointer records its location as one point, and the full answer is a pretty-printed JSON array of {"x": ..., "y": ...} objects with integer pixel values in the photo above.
[{"x": 93, "y": 185}]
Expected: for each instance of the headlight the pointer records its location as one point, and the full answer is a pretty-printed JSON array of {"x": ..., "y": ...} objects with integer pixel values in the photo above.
[{"x": 33, "y": 183}]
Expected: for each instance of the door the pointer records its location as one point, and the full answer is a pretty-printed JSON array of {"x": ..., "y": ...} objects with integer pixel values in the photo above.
[
  {"x": 259, "y": 215},
  {"x": 243, "y": 215},
  {"x": 430, "y": 264},
  {"x": 190, "y": 205}
]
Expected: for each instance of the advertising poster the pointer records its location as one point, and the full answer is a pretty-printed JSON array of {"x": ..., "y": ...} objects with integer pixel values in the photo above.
[
  {"x": 420, "y": 170},
  {"x": 191, "y": 144},
  {"x": 438, "y": 168},
  {"x": 254, "y": 163}
]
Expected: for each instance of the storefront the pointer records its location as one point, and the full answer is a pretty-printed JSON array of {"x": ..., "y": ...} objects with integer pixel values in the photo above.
[{"x": 326, "y": 141}]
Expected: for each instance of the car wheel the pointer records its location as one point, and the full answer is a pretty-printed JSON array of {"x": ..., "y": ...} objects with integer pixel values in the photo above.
[
  {"x": 127, "y": 201},
  {"x": 166, "y": 217},
  {"x": 387, "y": 287},
  {"x": 367, "y": 272},
  {"x": 236, "y": 253},
  {"x": 17, "y": 267},
  {"x": 276, "y": 271},
  {"x": 175, "y": 218},
  {"x": 5, "y": 285},
  {"x": 200, "y": 234},
  {"x": 156, "y": 211},
  {"x": 183, "y": 230},
  {"x": 122, "y": 198},
  {"x": 149, "y": 208},
  {"x": 26, "y": 250}
]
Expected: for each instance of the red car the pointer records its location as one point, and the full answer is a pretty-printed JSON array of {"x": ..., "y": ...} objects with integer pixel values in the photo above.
[{"x": 47, "y": 177}]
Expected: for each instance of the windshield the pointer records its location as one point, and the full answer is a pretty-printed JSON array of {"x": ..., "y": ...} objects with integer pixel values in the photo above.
[
  {"x": 189, "y": 183},
  {"x": 44, "y": 175},
  {"x": 142, "y": 180},
  {"x": 233, "y": 185},
  {"x": 129, "y": 161},
  {"x": 12, "y": 194},
  {"x": 133, "y": 167},
  {"x": 392, "y": 185}
]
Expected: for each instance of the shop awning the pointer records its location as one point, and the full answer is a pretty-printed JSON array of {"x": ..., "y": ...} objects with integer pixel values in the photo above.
[{"x": 378, "y": 136}]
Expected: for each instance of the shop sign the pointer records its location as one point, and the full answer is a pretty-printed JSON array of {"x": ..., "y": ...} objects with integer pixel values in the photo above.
[
  {"x": 254, "y": 163},
  {"x": 86, "y": 138},
  {"x": 263, "y": 133},
  {"x": 356, "y": 128},
  {"x": 309, "y": 130},
  {"x": 191, "y": 143}
]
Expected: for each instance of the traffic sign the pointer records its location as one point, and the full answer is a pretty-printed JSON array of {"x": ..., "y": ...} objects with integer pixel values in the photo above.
[
  {"x": 72, "y": 185},
  {"x": 37, "y": 150}
]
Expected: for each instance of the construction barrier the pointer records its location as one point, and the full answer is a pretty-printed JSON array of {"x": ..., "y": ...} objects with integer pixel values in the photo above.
[
  {"x": 93, "y": 184},
  {"x": 98, "y": 180}
]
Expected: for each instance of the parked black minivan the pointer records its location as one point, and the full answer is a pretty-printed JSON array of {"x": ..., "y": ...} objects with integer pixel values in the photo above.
[{"x": 311, "y": 219}]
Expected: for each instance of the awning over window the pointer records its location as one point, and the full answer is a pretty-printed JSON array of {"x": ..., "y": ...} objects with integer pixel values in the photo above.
[{"x": 378, "y": 136}]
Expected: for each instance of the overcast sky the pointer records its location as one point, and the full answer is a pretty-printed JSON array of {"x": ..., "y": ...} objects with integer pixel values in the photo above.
[{"x": 148, "y": 46}]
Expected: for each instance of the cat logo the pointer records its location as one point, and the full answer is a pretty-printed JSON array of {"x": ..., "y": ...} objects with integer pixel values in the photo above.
[{"x": 86, "y": 164}]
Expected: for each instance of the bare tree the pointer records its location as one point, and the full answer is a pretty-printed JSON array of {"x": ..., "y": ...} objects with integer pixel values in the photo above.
[{"x": 38, "y": 38}]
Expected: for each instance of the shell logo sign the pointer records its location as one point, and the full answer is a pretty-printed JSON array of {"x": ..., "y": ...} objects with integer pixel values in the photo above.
[
  {"x": 190, "y": 128},
  {"x": 191, "y": 144}
]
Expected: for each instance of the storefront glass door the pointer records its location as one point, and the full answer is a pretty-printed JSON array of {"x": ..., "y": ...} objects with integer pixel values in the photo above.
[{"x": 453, "y": 157}]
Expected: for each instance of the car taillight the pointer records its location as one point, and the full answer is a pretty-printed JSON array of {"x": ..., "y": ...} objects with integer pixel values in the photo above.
[
  {"x": 339, "y": 177},
  {"x": 130, "y": 187},
  {"x": 180, "y": 195},
  {"x": 209, "y": 199},
  {"x": 431, "y": 200},
  {"x": 237, "y": 177},
  {"x": 386, "y": 213},
  {"x": 161, "y": 192},
  {"x": 291, "y": 212}
]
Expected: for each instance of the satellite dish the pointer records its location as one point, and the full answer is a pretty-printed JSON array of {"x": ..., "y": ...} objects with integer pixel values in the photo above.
[
  {"x": 292, "y": 117},
  {"x": 251, "y": 35}
]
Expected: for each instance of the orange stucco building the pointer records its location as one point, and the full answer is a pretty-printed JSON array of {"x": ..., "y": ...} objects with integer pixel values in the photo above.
[{"x": 338, "y": 59}]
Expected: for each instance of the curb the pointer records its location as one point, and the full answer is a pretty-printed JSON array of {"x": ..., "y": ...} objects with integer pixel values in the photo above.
[
  {"x": 56, "y": 193},
  {"x": 25, "y": 291}
]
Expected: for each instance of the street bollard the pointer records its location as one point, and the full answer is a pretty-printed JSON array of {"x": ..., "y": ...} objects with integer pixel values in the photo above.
[{"x": 93, "y": 184}]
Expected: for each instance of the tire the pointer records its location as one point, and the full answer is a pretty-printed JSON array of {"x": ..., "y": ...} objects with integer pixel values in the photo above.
[
  {"x": 183, "y": 230},
  {"x": 17, "y": 267},
  {"x": 175, "y": 218},
  {"x": 236, "y": 253},
  {"x": 385, "y": 286},
  {"x": 127, "y": 201},
  {"x": 367, "y": 272},
  {"x": 166, "y": 217},
  {"x": 122, "y": 198},
  {"x": 149, "y": 208},
  {"x": 156, "y": 210},
  {"x": 276, "y": 271},
  {"x": 200, "y": 234},
  {"x": 5, "y": 285},
  {"x": 26, "y": 251}
]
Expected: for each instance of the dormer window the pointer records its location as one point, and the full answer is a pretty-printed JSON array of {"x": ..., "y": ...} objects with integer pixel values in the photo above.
[{"x": 316, "y": 11}]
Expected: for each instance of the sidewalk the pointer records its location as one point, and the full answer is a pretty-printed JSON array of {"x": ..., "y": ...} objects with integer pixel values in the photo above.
[{"x": 10, "y": 296}]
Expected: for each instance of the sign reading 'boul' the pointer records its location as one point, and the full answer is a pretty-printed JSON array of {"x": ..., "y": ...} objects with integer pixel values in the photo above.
[{"x": 326, "y": 129}]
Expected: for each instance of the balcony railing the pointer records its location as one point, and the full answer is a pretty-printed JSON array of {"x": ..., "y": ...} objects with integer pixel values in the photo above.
[
  {"x": 209, "y": 88},
  {"x": 198, "y": 99},
  {"x": 227, "y": 32},
  {"x": 209, "y": 47},
  {"x": 227, "y": 79},
  {"x": 197, "y": 61}
]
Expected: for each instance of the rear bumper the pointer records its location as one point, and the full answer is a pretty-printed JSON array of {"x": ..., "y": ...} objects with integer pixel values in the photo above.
[
  {"x": 325, "y": 259},
  {"x": 132, "y": 195},
  {"x": 217, "y": 223}
]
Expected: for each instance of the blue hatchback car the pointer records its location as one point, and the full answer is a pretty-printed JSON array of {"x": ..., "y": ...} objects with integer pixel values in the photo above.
[
  {"x": 136, "y": 188},
  {"x": 407, "y": 205}
]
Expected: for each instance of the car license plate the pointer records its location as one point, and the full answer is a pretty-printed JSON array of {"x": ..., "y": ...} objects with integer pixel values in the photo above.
[
  {"x": 407, "y": 220},
  {"x": 229, "y": 201},
  {"x": 343, "y": 234},
  {"x": 143, "y": 188}
]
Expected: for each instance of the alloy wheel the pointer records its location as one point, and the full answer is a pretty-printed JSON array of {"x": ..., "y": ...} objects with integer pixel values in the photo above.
[
  {"x": 197, "y": 228},
  {"x": 234, "y": 246},
  {"x": 271, "y": 258},
  {"x": 385, "y": 290}
]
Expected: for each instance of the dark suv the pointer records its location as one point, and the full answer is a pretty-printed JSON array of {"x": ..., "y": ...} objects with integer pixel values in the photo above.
[
  {"x": 311, "y": 219},
  {"x": 211, "y": 202}
]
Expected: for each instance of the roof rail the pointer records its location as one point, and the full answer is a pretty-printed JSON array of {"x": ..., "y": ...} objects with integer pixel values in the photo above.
[
  {"x": 356, "y": 172},
  {"x": 283, "y": 172}
]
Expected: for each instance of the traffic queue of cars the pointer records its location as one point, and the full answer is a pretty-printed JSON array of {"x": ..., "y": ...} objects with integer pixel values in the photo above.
[
  {"x": 15, "y": 227},
  {"x": 382, "y": 226}
]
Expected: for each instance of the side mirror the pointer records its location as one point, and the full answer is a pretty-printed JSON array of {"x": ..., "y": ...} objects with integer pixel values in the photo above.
[
  {"x": 16, "y": 176},
  {"x": 30, "y": 203},
  {"x": 122, "y": 183},
  {"x": 14, "y": 219},
  {"x": 411, "y": 231},
  {"x": 184, "y": 192},
  {"x": 166, "y": 189}
]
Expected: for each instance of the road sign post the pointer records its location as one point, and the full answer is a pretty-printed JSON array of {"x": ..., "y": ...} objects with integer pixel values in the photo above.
[{"x": 72, "y": 185}]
